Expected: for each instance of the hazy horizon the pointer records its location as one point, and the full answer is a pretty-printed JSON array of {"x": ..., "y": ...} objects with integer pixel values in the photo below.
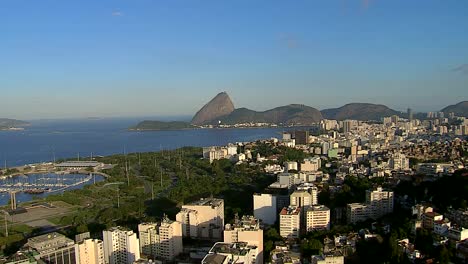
[{"x": 144, "y": 58}]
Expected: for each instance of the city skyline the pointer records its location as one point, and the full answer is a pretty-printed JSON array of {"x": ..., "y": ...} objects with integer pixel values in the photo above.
[{"x": 110, "y": 59}]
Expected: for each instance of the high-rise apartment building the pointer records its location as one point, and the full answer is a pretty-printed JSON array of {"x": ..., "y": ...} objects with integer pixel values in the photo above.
[
  {"x": 247, "y": 229},
  {"x": 162, "y": 241},
  {"x": 202, "y": 219},
  {"x": 90, "y": 251},
  {"x": 398, "y": 161},
  {"x": 311, "y": 164},
  {"x": 317, "y": 218},
  {"x": 306, "y": 194},
  {"x": 264, "y": 205},
  {"x": 302, "y": 137},
  {"x": 290, "y": 222},
  {"x": 378, "y": 203},
  {"x": 121, "y": 246}
]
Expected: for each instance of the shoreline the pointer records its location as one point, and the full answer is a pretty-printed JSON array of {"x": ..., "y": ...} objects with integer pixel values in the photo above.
[{"x": 219, "y": 128}]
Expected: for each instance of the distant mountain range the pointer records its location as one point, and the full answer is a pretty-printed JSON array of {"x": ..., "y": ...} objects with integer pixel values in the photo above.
[
  {"x": 359, "y": 111},
  {"x": 221, "y": 110},
  {"x": 6, "y": 123},
  {"x": 460, "y": 109}
]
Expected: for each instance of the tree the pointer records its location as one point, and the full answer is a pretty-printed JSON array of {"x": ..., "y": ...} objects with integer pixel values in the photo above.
[{"x": 311, "y": 247}]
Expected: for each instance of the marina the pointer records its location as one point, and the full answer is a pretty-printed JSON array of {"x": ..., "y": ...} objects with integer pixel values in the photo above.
[{"x": 29, "y": 186}]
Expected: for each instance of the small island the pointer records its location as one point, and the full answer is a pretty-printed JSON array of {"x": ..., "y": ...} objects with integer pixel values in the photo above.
[
  {"x": 12, "y": 124},
  {"x": 148, "y": 125}
]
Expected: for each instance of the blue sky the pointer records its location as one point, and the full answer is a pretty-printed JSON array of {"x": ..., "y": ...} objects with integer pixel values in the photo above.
[{"x": 145, "y": 57}]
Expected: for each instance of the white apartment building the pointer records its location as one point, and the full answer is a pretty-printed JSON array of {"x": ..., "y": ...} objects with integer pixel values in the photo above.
[
  {"x": 290, "y": 165},
  {"x": 121, "y": 246},
  {"x": 305, "y": 194},
  {"x": 317, "y": 218},
  {"x": 398, "y": 161},
  {"x": 265, "y": 209},
  {"x": 290, "y": 222},
  {"x": 380, "y": 202},
  {"x": 357, "y": 212},
  {"x": 202, "y": 219},
  {"x": 287, "y": 179},
  {"x": 90, "y": 251},
  {"x": 161, "y": 240},
  {"x": 247, "y": 229},
  {"x": 231, "y": 253}
]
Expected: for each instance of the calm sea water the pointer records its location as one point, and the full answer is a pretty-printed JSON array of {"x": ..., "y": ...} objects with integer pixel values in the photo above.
[{"x": 70, "y": 138}]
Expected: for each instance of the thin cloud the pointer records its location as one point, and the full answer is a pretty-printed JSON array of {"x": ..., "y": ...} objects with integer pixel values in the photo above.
[
  {"x": 289, "y": 40},
  {"x": 366, "y": 4},
  {"x": 117, "y": 13},
  {"x": 461, "y": 69}
]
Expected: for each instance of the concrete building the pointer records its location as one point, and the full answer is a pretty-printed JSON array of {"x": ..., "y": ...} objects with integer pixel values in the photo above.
[
  {"x": 311, "y": 164},
  {"x": 247, "y": 229},
  {"x": 398, "y": 161},
  {"x": 348, "y": 125},
  {"x": 287, "y": 179},
  {"x": 305, "y": 194},
  {"x": 458, "y": 233},
  {"x": 290, "y": 222},
  {"x": 328, "y": 260},
  {"x": 429, "y": 218},
  {"x": 302, "y": 137},
  {"x": 380, "y": 202},
  {"x": 161, "y": 241},
  {"x": 121, "y": 246},
  {"x": 214, "y": 153},
  {"x": 90, "y": 251},
  {"x": 231, "y": 253},
  {"x": 202, "y": 219},
  {"x": 53, "y": 248},
  {"x": 317, "y": 218},
  {"x": 357, "y": 212},
  {"x": 290, "y": 165},
  {"x": 265, "y": 208}
]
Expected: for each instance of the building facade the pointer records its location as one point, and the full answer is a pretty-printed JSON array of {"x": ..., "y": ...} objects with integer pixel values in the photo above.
[
  {"x": 53, "y": 248},
  {"x": 90, "y": 251},
  {"x": 161, "y": 240},
  {"x": 247, "y": 229},
  {"x": 317, "y": 218},
  {"x": 121, "y": 246},
  {"x": 290, "y": 222},
  {"x": 265, "y": 209},
  {"x": 202, "y": 219}
]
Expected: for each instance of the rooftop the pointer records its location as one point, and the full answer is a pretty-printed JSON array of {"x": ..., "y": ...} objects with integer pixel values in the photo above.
[
  {"x": 53, "y": 239},
  {"x": 78, "y": 164},
  {"x": 290, "y": 211},
  {"x": 208, "y": 202},
  {"x": 238, "y": 248}
]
